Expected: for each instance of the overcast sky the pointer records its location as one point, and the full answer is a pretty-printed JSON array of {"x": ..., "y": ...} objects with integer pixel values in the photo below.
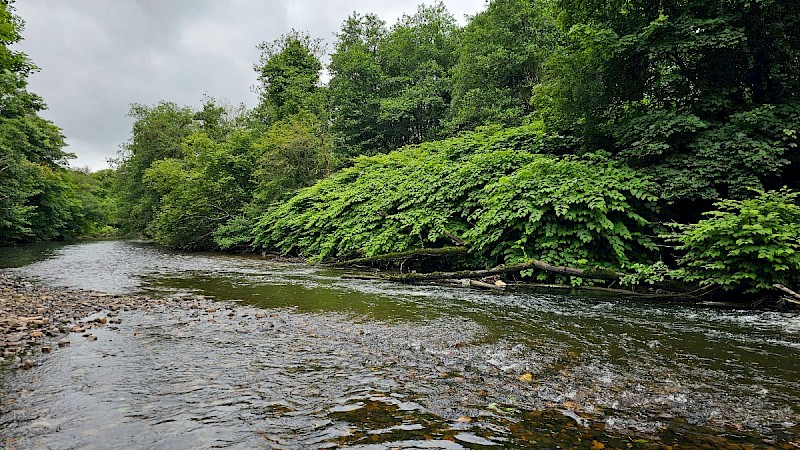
[{"x": 99, "y": 56}]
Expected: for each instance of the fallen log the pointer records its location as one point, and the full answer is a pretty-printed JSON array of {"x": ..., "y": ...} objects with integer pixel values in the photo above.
[
  {"x": 466, "y": 282},
  {"x": 400, "y": 256},
  {"x": 601, "y": 274},
  {"x": 794, "y": 297}
]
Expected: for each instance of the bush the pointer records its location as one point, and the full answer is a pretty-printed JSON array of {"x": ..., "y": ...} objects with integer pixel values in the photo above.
[
  {"x": 745, "y": 244},
  {"x": 507, "y": 203},
  {"x": 566, "y": 211}
]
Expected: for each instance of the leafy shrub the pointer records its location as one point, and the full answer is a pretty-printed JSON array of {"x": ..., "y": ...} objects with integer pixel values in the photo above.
[
  {"x": 649, "y": 274},
  {"x": 749, "y": 244},
  {"x": 383, "y": 204},
  {"x": 565, "y": 211},
  {"x": 507, "y": 203}
]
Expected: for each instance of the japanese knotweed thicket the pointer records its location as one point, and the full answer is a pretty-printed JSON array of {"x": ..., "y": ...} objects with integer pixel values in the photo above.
[
  {"x": 748, "y": 244},
  {"x": 488, "y": 188}
]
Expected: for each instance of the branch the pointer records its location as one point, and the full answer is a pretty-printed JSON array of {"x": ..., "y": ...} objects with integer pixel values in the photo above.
[
  {"x": 533, "y": 264},
  {"x": 791, "y": 293},
  {"x": 456, "y": 240},
  {"x": 218, "y": 208}
]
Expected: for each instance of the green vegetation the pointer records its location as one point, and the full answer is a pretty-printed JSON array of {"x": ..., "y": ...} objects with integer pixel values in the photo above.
[
  {"x": 701, "y": 95},
  {"x": 563, "y": 131},
  {"x": 39, "y": 198},
  {"x": 507, "y": 204},
  {"x": 750, "y": 244}
]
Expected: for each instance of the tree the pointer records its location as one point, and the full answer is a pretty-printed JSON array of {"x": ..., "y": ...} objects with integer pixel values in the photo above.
[
  {"x": 207, "y": 187},
  {"x": 294, "y": 153},
  {"x": 500, "y": 57},
  {"x": 34, "y": 201},
  {"x": 417, "y": 57},
  {"x": 289, "y": 74},
  {"x": 390, "y": 88},
  {"x": 701, "y": 94},
  {"x": 158, "y": 133},
  {"x": 355, "y": 85}
]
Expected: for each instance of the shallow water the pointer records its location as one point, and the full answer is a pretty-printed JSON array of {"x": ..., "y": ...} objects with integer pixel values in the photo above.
[{"x": 352, "y": 363}]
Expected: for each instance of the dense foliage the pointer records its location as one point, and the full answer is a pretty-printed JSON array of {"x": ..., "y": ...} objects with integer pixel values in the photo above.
[
  {"x": 157, "y": 134},
  {"x": 39, "y": 198},
  {"x": 501, "y": 54},
  {"x": 702, "y": 95},
  {"x": 197, "y": 179},
  {"x": 751, "y": 243},
  {"x": 392, "y": 87},
  {"x": 507, "y": 203}
]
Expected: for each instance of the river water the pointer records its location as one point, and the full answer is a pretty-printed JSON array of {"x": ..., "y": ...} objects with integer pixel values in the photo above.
[{"x": 302, "y": 357}]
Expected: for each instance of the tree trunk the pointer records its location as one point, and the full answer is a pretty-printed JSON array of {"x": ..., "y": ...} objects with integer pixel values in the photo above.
[{"x": 794, "y": 297}]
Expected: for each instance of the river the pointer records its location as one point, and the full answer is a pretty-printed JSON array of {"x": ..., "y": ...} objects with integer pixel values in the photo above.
[{"x": 346, "y": 363}]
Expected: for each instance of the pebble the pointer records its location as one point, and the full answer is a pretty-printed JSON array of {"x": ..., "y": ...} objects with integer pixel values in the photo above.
[
  {"x": 27, "y": 364},
  {"x": 32, "y": 315}
]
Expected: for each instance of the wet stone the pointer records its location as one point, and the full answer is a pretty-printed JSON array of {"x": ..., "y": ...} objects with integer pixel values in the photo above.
[{"x": 27, "y": 364}]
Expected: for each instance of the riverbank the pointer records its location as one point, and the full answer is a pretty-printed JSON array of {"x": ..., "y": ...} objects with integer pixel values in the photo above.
[{"x": 37, "y": 320}]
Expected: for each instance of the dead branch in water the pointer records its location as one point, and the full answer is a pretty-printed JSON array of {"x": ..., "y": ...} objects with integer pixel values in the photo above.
[
  {"x": 601, "y": 274},
  {"x": 794, "y": 297}
]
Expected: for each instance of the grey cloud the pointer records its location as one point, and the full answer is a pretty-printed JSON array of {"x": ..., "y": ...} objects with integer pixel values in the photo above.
[{"x": 98, "y": 56}]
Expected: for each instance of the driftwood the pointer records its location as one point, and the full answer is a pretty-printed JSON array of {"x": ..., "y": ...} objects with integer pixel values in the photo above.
[
  {"x": 793, "y": 297},
  {"x": 400, "y": 256},
  {"x": 466, "y": 282},
  {"x": 466, "y": 277},
  {"x": 533, "y": 264}
]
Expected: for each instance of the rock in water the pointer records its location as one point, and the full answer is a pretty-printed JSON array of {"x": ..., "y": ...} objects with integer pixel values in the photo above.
[{"x": 27, "y": 364}]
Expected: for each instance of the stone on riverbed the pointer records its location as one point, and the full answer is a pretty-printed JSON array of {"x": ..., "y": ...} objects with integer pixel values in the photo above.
[
  {"x": 31, "y": 315},
  {"x": 27, "y": 364}
]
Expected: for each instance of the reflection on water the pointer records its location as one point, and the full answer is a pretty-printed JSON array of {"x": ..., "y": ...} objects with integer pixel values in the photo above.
[
  {"x": 22, "y": 255},
  {"x": 342, "y": 362}
]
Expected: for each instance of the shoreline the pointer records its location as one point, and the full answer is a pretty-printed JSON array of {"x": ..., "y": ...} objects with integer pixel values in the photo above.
[{"x": 36, "y": 320}]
